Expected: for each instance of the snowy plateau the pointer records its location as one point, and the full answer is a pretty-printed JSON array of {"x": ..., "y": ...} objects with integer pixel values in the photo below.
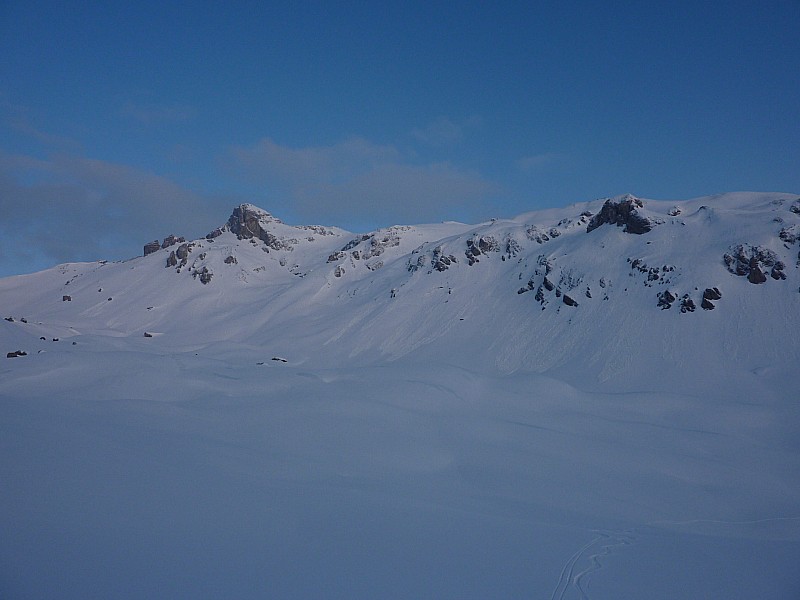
[{"x": 597, "y": 401}]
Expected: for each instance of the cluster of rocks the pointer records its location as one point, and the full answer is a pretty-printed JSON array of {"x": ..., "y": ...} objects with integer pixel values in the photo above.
[
  {"x": 16, "y": 353},
  {"x": 622, "y": 213},
  {"x": 482, "y": 246},
  {"x": 652, "y": 274},
  {"x": 754, "y": 262},
  {"x": 203, "y": 274},
  {"x": 441, "y": 261},
  {"x": 667, "y": 298},
  {"x": 512, "y": 247},
  {"x": 790, "y": 236},
  {"x": 168, "y": 241},
  {"x": 567, "y": 281},
  {"x": 180, "y": 256},
  {"x": 533, "y": 233}
]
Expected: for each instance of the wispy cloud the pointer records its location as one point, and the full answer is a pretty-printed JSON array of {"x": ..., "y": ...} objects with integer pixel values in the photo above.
[
  {"x": 70, "y": 208},
  {"x": 444, "y": 131},
  {"x": 357, "y": 177},
  {"x": 20, "y": 120},
  {"x": 152, "y": 114},
  {"x": 538, "y": 163}
]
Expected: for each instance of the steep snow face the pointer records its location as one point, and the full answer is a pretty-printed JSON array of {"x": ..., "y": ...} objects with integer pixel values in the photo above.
[{"x": 594, "y": 402}]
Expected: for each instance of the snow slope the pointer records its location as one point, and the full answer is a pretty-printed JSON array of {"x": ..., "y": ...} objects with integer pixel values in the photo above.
[{"x": 511, "y": 409}]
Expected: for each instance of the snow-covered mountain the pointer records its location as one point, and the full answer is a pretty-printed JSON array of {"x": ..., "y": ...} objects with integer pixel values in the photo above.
[
  {"x": 599, "y": 288},
  {"x": 535, "y": 393}
]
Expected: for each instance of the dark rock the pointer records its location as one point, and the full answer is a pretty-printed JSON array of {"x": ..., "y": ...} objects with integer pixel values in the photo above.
[
  {"x": 623, "y": 213},
  {"x": 172, "y": 260},
  {"x": 569, "y": 301},
  {"x": 356, "y": 254},
  {"x": 588, "y": 293},
  {"x": 535, "y": 235},
  {"x": 171, "y": 240},
  {"x": 205, "y": 275},
  {"x": 247, "y": 222},
  {"x": 441, "y": 261},
  {"x": 750, "y": 261},
  {"x": 151, "y": 247},
  {"x": 338, "y": 272},
  {"x": 337, "y": 256},
  {"x": 712, "y": 294},
  {"x": 24, "y": 320},
  {"x": 674, "y": 211},
  {"x": 148, "y": 335},
  {"x": 214, "y": 234},
  {"x": 10, "y": 319},
  {"x": 777, "y": 272},
  {"x": 16, "y": 353},
  {"x": 512, "y": 247},
  {"x": 790, "y": 235},
  {"x": 44, "y": 339},
  {"x": 548, "y": 285},
  {"x": 231, "y": 260},
  {"x": 182, "y": 252},
  {"x": 687, "y": 304},
  {"x": 279, "y": 359},
  {"x": 66, "y": 298},
  {"x": 665, "y": 300},
  {"x": 706, "y": 304},
  {"x": 756, "y": 275}
]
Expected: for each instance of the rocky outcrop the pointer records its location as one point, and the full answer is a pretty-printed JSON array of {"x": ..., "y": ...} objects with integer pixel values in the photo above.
[
  {"x": 568, "y": 300},
  {"x": 754, "y": 262},
  {"x": 665, "y": 300},
  {"x": 16, "y": 353},
  {"x": 151, "y": 247},
  {"x": 172, "y": 260},
  {"x": 441, "y": 261},
  {"x": 710, "y": 294},
  {"x": 171, "y": 240},
  {"x": 249, "y": 222},
  {"x": 483, "y": 245},
  {"x": 203, "y": 274},
  {"x": 622, "y": 213},
  {"x": 687, "y": 304}
]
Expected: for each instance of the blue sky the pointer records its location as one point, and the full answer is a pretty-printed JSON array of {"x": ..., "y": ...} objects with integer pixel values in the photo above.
[{"x": 121, "y": 122}]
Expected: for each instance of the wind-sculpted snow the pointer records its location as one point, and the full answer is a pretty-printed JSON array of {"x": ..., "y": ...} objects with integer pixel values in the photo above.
[{"x": 516, "y": 408}]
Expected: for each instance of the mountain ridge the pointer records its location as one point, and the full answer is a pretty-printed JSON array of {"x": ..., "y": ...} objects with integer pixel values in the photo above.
[{"x": 581, "y": 274}]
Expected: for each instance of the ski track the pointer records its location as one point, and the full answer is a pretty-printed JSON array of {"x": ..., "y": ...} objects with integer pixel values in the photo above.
[{"x": 569, "y": 580}]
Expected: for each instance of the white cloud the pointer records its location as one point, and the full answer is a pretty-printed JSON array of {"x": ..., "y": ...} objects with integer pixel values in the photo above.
[
  {"x": 73, "y": 208},
  {"x": 357, "y": 179},
  {"x": 444, "y": 131},
  {"x": 151, "y": 114},
  {"x": 538, "y": 163}
]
